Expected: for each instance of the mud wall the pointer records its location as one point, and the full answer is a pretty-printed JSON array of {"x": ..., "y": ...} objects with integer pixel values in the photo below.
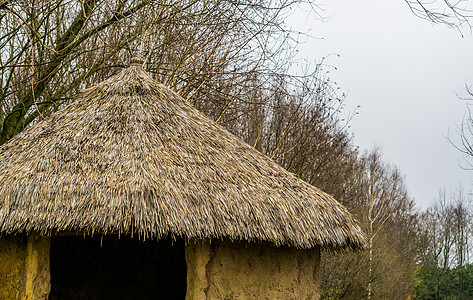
[
  {"x": 24, "y": 267},
  {"x": 232, "y": 270}
]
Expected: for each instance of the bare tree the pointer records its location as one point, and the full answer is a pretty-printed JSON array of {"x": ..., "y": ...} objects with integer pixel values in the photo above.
[
  {"x": 457, "y": 14},
  {"x": 462, "y": 229},
  {"x": 214, "y": 53},
  {"x": 465, "y": 132},
  {"x": 443, "y": 241},
  {"x": 384, "y": 188},
  {"x": 382, "y": 204},
  {"x": 46, "y": 52}
]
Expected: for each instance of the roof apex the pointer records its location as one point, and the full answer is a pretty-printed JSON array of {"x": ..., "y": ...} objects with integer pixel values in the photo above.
[{"x": 136, "y": 61}]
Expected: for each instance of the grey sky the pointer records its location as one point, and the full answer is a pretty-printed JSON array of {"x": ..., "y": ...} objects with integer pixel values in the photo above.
[{"x": 404, "y": 73}]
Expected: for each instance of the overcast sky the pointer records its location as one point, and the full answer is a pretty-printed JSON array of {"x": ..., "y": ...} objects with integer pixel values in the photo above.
[{"x": 404, "y": 73}]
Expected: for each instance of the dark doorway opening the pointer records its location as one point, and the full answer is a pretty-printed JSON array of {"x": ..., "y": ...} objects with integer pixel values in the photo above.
[{"x": 111, "y": 268}]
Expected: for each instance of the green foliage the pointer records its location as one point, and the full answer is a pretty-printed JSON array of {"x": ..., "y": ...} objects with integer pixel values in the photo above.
[{"x": 434, "y": 282}]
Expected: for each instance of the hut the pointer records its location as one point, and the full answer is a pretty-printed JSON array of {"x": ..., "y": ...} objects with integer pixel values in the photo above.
[{"x": 129, "y": 192}]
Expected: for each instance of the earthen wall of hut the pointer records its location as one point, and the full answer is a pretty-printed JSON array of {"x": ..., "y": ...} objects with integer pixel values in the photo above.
[
  {"x": 24, "y": 267},
  {"x": 232, "y": 270},
  {"x": 215, "y": 270}
]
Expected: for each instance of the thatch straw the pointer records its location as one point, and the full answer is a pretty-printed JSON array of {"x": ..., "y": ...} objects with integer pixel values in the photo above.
[{"x": 130, "y": 155}]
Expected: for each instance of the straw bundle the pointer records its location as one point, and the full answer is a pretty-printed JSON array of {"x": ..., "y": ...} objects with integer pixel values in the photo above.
[{"x": 130, "y": 155}]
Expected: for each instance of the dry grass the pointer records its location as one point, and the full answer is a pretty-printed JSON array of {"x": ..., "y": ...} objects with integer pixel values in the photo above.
[{"x": 130, "y": 155}]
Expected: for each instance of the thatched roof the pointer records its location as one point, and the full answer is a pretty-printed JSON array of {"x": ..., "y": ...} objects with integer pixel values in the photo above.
[{"x": 130, "y": 155}]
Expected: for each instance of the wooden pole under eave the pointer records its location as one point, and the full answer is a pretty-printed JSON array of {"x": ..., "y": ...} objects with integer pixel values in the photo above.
[{"x": 24, "y": 267}]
